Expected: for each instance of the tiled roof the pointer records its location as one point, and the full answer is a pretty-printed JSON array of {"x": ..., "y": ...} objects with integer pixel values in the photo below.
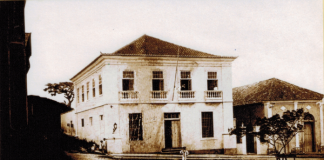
[
  {"x": 271, "y": 90},
  {"x": 152, "y": 47}
]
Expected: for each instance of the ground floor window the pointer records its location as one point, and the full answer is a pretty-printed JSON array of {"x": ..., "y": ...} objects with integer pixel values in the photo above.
[
  {"x": 135, "y": 126},
  {"x": 82, "y": 122},
  {"x": 207, "y": 124}
]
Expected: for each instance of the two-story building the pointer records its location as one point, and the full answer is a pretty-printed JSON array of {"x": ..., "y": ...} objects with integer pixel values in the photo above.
[{"x": 152, "y": 94}]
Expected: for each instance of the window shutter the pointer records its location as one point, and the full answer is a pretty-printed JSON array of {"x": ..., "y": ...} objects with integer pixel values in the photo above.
[{"x": 131, "y": 84}]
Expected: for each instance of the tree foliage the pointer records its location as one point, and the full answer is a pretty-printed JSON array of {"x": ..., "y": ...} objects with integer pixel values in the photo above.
[
  {"x": 279, "y": 131},
  {"x": 65, "y": 88}
]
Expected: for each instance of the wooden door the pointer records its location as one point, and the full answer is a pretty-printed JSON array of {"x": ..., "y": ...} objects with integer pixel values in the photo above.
[
  {"x": 309, "y": 139},
  {"x": 176, "y": 134}
]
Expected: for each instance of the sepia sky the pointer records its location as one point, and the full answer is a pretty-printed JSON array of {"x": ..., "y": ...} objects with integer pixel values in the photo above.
[{"x": 281, "y": 39}]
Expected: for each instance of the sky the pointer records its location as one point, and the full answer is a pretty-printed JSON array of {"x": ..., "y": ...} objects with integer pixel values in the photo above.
[{"x": 277, "y": 38}]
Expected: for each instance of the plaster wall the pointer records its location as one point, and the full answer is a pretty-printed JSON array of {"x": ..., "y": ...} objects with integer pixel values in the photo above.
[{"x": 116, "y": 110}]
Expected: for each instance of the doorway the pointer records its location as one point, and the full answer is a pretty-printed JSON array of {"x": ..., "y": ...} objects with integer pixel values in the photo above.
[
  {"x": 309, "y": 140},
  {"x": 172, "y": 129}
]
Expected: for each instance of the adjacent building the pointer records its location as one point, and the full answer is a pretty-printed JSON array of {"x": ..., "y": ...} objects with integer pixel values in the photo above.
[
  {"x": 152, "y": 94},
  {"x": 274, "y": 96}
]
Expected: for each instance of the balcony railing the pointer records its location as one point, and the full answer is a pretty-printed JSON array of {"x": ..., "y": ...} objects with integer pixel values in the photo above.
[
  {"x": 213, "y": 94},
  {"x": 159, "y": 94},
  {"x": 186, "y": 94},
  {"x": 128, "y": 95}
]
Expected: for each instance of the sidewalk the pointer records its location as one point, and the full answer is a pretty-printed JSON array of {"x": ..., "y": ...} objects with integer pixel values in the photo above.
[{"x": 193, "y": 156}]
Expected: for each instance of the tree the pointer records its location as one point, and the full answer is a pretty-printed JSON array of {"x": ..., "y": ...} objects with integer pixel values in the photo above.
[
  {"x": 65, "y": 88},
  {"x": 279, "y": 131}
]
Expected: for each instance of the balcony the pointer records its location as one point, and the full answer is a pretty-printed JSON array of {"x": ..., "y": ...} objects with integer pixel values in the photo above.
[
  {"x": 213, "y": 96},
  {"x": 186, "y": 96},
  {"x": 128, "y": 96},
  {"x": 159, "y": 96}
]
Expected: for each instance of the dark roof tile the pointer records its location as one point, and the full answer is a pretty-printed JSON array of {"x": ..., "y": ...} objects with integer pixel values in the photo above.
[
  {"x": 152, "y": 47},
  {"x": 271, "y": 90}
]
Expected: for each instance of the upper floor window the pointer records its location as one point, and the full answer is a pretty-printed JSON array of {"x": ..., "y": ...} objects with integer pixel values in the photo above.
[
  {"x": 93, "y": 88},
  {"x": 87, "y": 90},
  {"x": 207, "y": 124},
  {"x": 78, "y": 96},
  {"x": 82, "y": 93},
  {"x": 100, "y": 85},
  {"x": 135, "y": 126},
  {"x": 128, "y": 81},
  {"x": 157, "y": 81},
  {"x": 212, "y": 82},
  {"x": 185, "y": 81}
]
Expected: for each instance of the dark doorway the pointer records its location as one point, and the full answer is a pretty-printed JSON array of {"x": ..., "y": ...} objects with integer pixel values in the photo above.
[
  {"x": 249, "y": 139},
  {"x": 168, "y": 134}
]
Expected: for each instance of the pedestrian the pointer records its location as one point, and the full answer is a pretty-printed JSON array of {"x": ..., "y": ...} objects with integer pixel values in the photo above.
[
  {"x": 93, "y": 148},
  {"x": 100, "y": 146},
  {"x": 104, "y": 146}
]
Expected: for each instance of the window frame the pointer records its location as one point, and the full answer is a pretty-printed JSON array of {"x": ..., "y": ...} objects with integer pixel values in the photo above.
[
  {"x": 125, "y": 78},
  {"x": 210, "y": 78},
  {"x": 100, "y": 85},
  {"x": 189, "y": 79},
  {"x": 82, "y": 122},
  {"x": 131, "y": 128},
  {"x": 159, "y": 79},
  {"x": 88, "y": 90},
  {"x": 93, "y": 88},
  {"x": 82, "y": 93},
  {"x": 211, "y": 134},
  {"x": 78, "y": 95}
]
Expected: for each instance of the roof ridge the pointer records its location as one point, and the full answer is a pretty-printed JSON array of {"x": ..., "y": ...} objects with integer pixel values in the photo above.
[{"x": 150, "y": 46}]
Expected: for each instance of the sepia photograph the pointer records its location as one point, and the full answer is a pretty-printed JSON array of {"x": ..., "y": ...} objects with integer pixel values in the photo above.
[{"x": 171, "y": 79}]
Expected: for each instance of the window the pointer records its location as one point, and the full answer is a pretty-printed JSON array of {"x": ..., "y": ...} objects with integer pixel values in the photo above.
[
  {"x": 100, "y": 85},
  {"x": 90, "y": 119},
  {"x": 135, "y": 126},
  {"x": 207, "y": 124},
  {"x": 157, "y": 81},
  {"x": 185, "y": 81},
  {"x": 101, "y": 117},
  {"x": 82, "y": 122},
  {"x": 87, "y": 90},
  {"x": 93, "y": 88},
  {"x": 128, "y": 81},
  {"x": 82, "y": 93},
  {"x": 212, "y": 81},
  {"x": 78, "y": 96}
]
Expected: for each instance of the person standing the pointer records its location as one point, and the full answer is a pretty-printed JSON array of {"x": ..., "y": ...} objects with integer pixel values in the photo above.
[
  {"x": 101, "y": 146},
  {"x": 104, "y": 146}
]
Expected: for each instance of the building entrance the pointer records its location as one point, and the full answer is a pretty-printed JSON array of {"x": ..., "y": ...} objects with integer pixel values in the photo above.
[{"x": 172, "y": 130}]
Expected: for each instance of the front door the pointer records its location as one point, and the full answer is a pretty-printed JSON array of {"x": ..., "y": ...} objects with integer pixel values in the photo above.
[
  {"x": 172, "y": 134},
  {"x": 176, "y": 134},
  {"x": 309, "y": 139},
  {"x": 172, "y": 130}
]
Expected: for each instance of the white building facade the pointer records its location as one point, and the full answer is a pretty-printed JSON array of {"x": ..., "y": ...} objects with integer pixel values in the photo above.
[{"x": 151, "y": 95}]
